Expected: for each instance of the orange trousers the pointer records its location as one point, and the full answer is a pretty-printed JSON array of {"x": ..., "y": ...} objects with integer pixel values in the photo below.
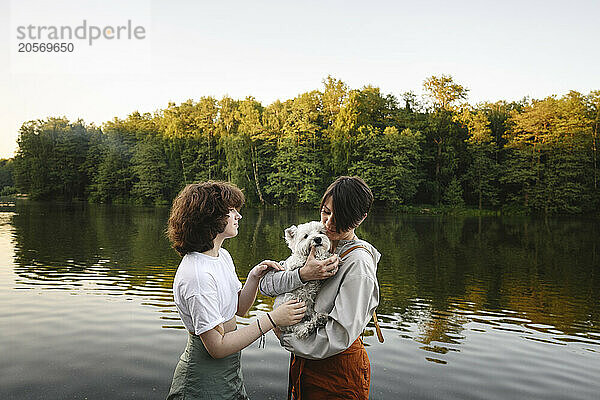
[{"x": 344, "y": 376}]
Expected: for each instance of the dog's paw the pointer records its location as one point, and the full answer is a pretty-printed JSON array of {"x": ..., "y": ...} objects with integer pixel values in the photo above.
[
  {"x": 321, "y": 319},
  {"x": 286, "y": 329},
  {"x": 303, "y": 331}
]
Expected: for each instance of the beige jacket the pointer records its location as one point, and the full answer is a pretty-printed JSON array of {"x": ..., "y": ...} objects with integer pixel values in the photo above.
[{"x": 349, "y": 298}]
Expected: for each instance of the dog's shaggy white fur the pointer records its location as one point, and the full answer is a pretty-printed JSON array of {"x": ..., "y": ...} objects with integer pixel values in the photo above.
[{"x": 300, "y": 239}]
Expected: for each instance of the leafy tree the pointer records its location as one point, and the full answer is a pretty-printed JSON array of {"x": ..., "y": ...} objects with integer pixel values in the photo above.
[
  {"x": 114, "y": 179},
  {"x": 388, "y": 161},
  {"x": 549, "y": 139},
  {"x": 444, "y": 92},
  {"x": 334, "y": 97},
  {"x": 453, "y": 196},
  {"x": 372, "y": 107},
  {"x": 70, "y": 149},
  {"x": 49, "y": 159},
  {"x": 344, "y": 129},
  {"x": 252, "y": 161},
  {"x": 195, "y": 124},
  {"x": 445, "y": 95},
  {"x": 7, "y": 184},
  {"x": 152, "y": 177},
  {"x": 593, "y": 114},
  {"x": 406, "y": 172},
  {"x": 298, "y": 169},
  {"x": 205, "y": 117},
  {"x": 482, "y": 173}
]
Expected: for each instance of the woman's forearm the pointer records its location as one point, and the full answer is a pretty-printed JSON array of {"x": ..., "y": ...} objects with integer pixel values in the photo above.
[
  {"x": 275, "y": 283},
  {"x": 220, "y": 346},
  {"x": 247, "y": 296}
]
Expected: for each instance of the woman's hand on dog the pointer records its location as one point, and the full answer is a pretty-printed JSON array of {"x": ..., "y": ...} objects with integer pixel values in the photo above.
[
  {"x": 261, "y": 269},
  {"x": 314, "y": 269},
  {"x": 289, "y": 313}
]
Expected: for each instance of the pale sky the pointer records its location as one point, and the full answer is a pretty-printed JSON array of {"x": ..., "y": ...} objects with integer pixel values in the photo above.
[{"x": 279, "y": 49}]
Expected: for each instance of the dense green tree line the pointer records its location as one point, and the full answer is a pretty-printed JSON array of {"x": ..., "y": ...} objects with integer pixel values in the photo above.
[
  {"x": 7, "y": 185},
  {"x": 533, "y": 155}
]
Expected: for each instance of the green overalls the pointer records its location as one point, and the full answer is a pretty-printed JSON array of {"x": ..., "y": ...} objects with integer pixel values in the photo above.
[{"x": 199, "y": 376}]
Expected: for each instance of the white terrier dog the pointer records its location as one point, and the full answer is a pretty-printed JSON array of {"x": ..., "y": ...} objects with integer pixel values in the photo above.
[{"x": 300, "y": 239}]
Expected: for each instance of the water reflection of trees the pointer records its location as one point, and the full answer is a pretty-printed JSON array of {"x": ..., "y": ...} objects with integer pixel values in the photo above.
[
  {"x": 437, "y": 273},
  {"x": 61, "y": 243},
  {"x": 546, "y": 271},
  {"x": 72, "y": 242}
]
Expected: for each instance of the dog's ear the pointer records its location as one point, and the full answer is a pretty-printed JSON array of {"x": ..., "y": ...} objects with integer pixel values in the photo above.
[{"x": 290, "y": 233}]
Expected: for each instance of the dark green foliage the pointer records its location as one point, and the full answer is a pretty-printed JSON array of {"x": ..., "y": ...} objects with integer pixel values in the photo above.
[
  {"x": 549, "y": 156},
  {"x": 389, "y": 162},
  {"x": 482, "y": 172},
  {"x": 152, "y": 177},
  {"x": 7, "y": 183},
  {"x": 114, "y": 178},
  {"x": 51, "y": 158},
  {"x": 294, "y": 172},
  {"x": 532, "y": 156},
  {"x": 453, "y": 195},
  {"x": 298, "y": 166}
]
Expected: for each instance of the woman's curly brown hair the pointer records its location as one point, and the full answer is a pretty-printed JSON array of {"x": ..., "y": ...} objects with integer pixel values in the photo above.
[{"x": 199, "y": 213}]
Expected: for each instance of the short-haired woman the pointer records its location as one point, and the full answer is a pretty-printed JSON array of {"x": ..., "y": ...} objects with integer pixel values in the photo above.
[
  {"x": 332, "y": 363},
  {"x": 208, "y": 294}
]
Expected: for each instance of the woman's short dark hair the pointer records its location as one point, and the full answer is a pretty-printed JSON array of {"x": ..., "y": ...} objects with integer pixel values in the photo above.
[
  {"x": 351, "y": 199},
  {"x": 199, "y": 213}
]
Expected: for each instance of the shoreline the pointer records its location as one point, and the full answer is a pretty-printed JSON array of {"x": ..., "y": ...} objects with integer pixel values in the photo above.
[{"x": 421, "y": 209}]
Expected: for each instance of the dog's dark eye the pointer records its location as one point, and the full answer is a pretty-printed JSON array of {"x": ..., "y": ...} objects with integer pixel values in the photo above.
[{"x": 305, "y": 236}]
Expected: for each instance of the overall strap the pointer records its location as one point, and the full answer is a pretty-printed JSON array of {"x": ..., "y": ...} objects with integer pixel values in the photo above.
[
  {"x": 358, "y": 246},
  {"x": 375, "y": 321}
]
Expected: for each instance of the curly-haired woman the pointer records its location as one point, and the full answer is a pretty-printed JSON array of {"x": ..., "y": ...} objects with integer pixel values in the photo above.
[{"x": 208, "y": 294}]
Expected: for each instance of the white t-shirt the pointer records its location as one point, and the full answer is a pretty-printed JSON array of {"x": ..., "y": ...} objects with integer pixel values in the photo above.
[{"x": 205, "y": 290}]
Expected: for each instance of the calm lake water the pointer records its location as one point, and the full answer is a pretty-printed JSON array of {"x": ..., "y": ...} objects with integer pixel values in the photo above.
[{"x": 490, "y": 308}]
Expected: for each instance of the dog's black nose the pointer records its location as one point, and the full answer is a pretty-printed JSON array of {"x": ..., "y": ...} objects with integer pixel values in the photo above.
[{"x": 317, "y": 240}]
